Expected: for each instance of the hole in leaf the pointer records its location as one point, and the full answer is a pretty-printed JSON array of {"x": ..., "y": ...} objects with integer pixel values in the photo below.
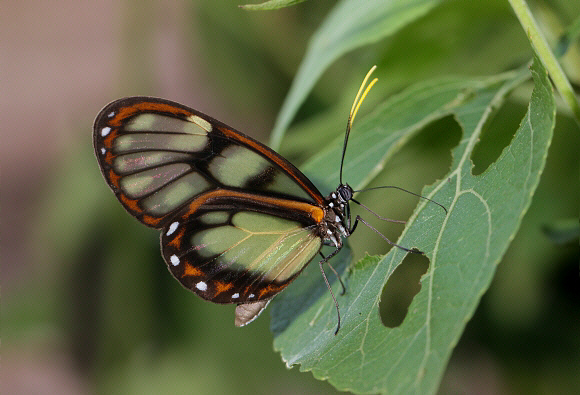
[
  {"x": 401, "y": 288},
  {"x": 497, "y": 133}
]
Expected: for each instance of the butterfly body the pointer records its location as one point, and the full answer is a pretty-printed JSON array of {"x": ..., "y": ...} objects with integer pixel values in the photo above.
[{"x": 238, "y": 221}]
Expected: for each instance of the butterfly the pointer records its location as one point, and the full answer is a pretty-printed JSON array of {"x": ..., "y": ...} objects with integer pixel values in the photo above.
[{"x": 238, "y": 221}]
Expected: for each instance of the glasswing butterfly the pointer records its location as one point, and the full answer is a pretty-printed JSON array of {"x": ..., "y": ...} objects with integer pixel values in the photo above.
[{"x": 238, "y": 221}]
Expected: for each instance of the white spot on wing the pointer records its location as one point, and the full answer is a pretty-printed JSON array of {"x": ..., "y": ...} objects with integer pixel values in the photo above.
[
  {"x": 235, "y": 296},
  {"x": 330, "y": 204},
  {"x": 201, "y": 286},
  {"x": 174, "y": 260},
  {"x": 105, "y": 131},
  {"x": 111, "y": 114},
  {"x": 251, "y": 296},
  {"x": 172, "y": 228},
  {"x": 103, "y": 151}
]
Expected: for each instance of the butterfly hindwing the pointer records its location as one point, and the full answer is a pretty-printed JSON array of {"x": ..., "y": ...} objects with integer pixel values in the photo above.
[{"x": 237, "y": 255}]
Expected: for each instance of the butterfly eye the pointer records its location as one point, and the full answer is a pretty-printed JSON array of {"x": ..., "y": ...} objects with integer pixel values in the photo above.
[{"x": 345, "y": 192}]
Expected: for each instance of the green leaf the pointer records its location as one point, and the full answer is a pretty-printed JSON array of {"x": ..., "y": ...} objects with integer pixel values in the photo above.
[
  {"x": 271, "y": 5},
  {"x": 351, "y": 24},
  {"x": 463, "y": 247}
]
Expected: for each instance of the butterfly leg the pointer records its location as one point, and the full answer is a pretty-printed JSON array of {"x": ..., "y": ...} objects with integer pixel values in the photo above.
[
  {"x": 325, "y": 260},
  {"x": 336, "y": 274},
  {"x": 358, "y": 218}
]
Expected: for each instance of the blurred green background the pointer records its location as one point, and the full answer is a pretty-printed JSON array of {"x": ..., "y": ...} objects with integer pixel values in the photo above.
[{"x": 88, "y": 306}]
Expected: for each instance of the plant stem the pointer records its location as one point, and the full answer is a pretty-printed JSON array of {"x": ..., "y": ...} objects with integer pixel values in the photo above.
[{"x": 545, "y": 54}]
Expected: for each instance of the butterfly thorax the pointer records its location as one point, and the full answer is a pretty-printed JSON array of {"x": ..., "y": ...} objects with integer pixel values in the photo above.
[{"x": 334, "y": 227}]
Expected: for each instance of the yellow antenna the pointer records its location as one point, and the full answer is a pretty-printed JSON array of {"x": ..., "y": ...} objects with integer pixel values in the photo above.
[{"x": 360, "y": 96}]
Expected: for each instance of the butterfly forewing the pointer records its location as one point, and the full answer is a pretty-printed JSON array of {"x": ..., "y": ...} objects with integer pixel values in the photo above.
[
  {"x": 238, "y": 221},
  {"x": 157, "y": 156}
]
